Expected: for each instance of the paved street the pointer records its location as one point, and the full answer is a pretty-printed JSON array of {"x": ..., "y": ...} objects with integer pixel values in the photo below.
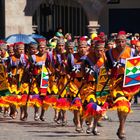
[{"x": 31, "y": 130}]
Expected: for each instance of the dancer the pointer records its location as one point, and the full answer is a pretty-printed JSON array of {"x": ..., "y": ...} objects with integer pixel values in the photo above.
[{"x": 121, "y": 95}]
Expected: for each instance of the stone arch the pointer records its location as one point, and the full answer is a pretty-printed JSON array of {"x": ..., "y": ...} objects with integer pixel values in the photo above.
[
  {"x": 92, "y": 10},
  {"x": 31, "y": 6},
  {"x": 40, "y": 8}
]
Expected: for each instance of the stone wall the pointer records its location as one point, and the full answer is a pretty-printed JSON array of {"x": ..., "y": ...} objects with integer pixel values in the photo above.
[
  {"x": 18, "y": 14},
  {"x": 15, "y": 19}
]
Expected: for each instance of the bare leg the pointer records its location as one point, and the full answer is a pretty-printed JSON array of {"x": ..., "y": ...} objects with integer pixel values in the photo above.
[
  {"x": 21, "y": 113},
  {"x": 78, "y": 121},
  {"x": 36, "y": 113},
  {"x": 89, "y": 122},
  {"x": 6, "y": 111},
  {"x": 96, "y": 120},
  {"x": 122, "y": 119},
  {"x": 13, "y": 111},
  {"x": 1, "y": 109},
  {"x": 64, "y": 118},
  {"x": 77, "y": 118},
  {"x": 60, "y": 117},
  {"x": 24, "y": 113},
  {"x": 56, "y": 113},
  {"x": 42, "y": 118}
]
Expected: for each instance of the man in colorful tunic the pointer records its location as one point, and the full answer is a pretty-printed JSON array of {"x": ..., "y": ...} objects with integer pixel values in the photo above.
[
  {"x": 93, "y": 106},
  {"x": 3, "y": 60},
  {"x": 17, "y": 86},
  {"x": 121, "y": 95},
  {"x": 75, "y": 62},
  {"x": 36, "y": 62},
  {"x": 61, "y": 70}
]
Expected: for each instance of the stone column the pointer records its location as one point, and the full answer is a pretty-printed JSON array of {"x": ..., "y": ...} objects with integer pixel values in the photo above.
[
  {"x": 93, "y": 27},
  {"x": 15, "y": 19},
  {"x": 92, "y": 9}
]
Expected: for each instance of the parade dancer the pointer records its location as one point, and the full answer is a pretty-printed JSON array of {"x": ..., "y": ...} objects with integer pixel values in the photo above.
[
  {"x": 23, "y": 78},
  {"x": 16, "y": 71},
  {"x": 121, "y": 95},
  {"x": 76, "y": 68},
  {"x": 61, "y": 70},
  {"x": 93, "y": 108},
  {"x": 3, "y": 61},
  {"x": 36, "y": 62}
]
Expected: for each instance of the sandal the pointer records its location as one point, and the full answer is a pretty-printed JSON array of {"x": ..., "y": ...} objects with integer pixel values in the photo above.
[
  {"x": 89, "y": 130},
  {"x": 14, "y": 115},
  {"x": 64, "y": 123},
  {"x": 42, "y": 118},
  {"x": 36, "y": 117},
  {"x": 121, "y": 136},
  {"x": 95, "y": 132},
  {"x": 79, "y": 130},
  {"x": 55, "y": 119},
  {"x": 24, "y": 118},
  {"x": 5, "y": 114}
]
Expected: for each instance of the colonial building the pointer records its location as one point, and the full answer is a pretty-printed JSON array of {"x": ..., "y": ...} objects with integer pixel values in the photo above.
[{"x": 79, "y": 17}]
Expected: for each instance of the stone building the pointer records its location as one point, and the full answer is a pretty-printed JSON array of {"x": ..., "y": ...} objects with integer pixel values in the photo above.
[{"x": 79, "y": 17}]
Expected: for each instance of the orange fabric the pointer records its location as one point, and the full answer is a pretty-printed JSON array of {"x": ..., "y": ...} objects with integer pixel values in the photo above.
[
  {"x": 14, "y": 58},
  {"x": 126, "y": 53},
  {"x": 100, "y": 62},
  {"x": 40, "y": 58}
]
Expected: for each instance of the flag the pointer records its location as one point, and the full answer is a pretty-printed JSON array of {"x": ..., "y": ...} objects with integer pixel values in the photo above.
[
  {"x": 132, "y": 72},
  {"x": 44, "y": 79}
]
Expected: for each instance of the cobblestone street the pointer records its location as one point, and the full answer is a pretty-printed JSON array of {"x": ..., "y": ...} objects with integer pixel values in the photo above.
[{"x": 48, "y": 130}]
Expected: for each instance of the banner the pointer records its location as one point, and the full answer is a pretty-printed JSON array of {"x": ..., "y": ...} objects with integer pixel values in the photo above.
[
  {"x": 44, "y": 80},
  {"x": 132, "y": 72}
]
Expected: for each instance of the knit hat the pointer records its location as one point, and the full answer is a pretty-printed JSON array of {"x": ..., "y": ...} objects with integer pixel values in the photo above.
[
  {"x": 121, "y": 37},
  {"x": 83, "y": 43},
  {"x": 70, "y": 44},
  {"x": 34, "y": 45},
  {"x": 61, "y": 42},
  {"x": 18, "y": 45},
  {"x": 99, "y": 45}
]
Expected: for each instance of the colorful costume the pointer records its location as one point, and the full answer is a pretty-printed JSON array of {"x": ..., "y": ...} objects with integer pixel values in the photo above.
[
  {"x": 36, "y": 63},
  {"x": 18, "y": 84},
  {"x": 121, "y": 95},
  {"x": 61, "y": 66},
  {"x": 92, "y": 106}
]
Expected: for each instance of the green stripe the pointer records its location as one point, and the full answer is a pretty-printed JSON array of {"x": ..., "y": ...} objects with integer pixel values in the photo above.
[
  {"x": 4, "y": 92},
  {"x": 104, "y": 93}
]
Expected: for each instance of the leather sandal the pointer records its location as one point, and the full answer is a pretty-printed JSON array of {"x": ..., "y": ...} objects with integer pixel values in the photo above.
[
  {"x": 89, "y": 130},
  {"x": 121, "y": 136},
  {"x": 14, "y": 115},
  {"x": 79, "y": 130},
  {"x": 64, "y": 123},
  {"x": 24, "y": 118},
  {"x": 42, "y": 118},
  {"x": 95, "y": 132},
  {"x": 36, "y": 117}
]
